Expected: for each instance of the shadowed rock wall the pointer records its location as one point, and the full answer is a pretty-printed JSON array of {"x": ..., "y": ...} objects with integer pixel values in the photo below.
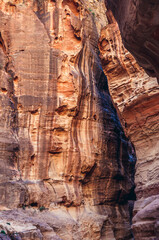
[
  {"x": 136, "y": 96},
  {"x": 62, "y": 145},
  {"x": 139, "y": 26}
]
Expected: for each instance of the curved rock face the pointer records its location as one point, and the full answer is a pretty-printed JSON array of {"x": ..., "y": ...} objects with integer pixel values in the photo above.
[
  {"x": 139, "y": 25},
  {"x": 136, "y": 96},
  {"x": 62, "y": 145}
]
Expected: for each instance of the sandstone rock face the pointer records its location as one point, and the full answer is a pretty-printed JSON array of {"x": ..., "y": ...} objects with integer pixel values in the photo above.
[
  {"x": 139, "y": 25},
  {"x": 136, "y": 96},
  {"x": 62, "y": 145}
]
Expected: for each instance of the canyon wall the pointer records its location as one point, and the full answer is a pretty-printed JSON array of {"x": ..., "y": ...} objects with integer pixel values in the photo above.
[
  {"x": 67, "y": 168},
  {"x": 139, "y": 26},
  {"x": 136, "y": 96}
]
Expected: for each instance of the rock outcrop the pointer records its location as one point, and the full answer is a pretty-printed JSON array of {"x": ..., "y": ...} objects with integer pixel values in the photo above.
[
  {"x": 139, "y": 26},
  {"x": 63, "y": 149},
  {"x": 136, "y": 96}
]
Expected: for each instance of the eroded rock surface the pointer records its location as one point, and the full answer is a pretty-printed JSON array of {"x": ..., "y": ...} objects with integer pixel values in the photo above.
[
  {"x": 136, "y": 96},
  {"x": 139, "y": 25},
  {"x": 62, "y": 145}
]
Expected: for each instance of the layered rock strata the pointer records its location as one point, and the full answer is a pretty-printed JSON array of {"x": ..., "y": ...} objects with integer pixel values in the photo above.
[
  {"x": 136, "y": 96},
  {"x": 139, "y": 26},
  {"x": 62, "y": 145}
]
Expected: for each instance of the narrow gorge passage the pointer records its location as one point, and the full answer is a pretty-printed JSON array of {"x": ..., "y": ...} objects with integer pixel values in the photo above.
[{"x": 136, "y": 96}]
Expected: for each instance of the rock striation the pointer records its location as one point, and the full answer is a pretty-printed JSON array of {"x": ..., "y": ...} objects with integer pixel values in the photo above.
[
  {"x": 63, "y": 149},
  {"x": 139, "y": 26},
  {"x": 136, "y": 96}
]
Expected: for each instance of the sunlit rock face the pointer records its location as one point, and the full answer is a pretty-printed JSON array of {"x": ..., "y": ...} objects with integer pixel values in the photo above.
[
  {"x": 62, "y": 145},
  {"x": 136, "y": 96},
  {"x": 139, "y": 25}
]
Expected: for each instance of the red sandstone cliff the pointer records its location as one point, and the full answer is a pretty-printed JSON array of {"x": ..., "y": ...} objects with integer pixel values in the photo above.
[
  {"x": 62, "y": 145},
  {"x": 139, "y": 26},
  {"x": 136, "y": 96}
]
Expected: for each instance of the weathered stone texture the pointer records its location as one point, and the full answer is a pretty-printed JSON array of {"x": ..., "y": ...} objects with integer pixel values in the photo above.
[
  {"x": 136, "y": 96},
  {"x": 61, "y": 140},
  {"x": 139, "y": 25}
]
